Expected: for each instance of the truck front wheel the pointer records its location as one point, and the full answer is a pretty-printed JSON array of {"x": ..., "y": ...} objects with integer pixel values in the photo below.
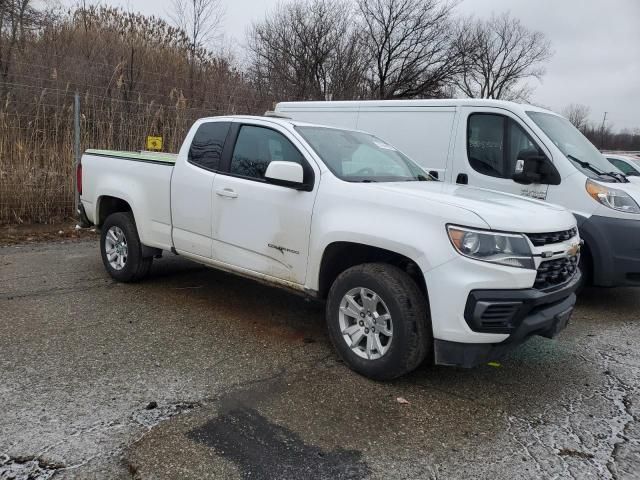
[
  {"x": 121, "y": 249},
  {"x": 378, "y": 321}
]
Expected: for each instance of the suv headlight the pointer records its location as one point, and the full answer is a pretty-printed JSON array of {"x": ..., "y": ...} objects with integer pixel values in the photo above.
[
  {"x": 612, "y": 197},
  {"x": 508, "y": 249}
]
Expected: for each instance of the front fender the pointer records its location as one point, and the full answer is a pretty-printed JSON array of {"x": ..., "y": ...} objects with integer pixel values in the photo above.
[{"x": 416, "y": 235}]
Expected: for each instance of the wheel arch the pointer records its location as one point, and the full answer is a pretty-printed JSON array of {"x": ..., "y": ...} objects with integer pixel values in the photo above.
[
  {"x": 341, "y": 255},
  {"x": 108, "y": 204}
]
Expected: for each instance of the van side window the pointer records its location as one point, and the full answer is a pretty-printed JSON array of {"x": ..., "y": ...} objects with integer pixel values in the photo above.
[
  {"x": 207, "y": 144},
  {"x": 495, "y": 143},
  {"x": 257, "y": 147}
]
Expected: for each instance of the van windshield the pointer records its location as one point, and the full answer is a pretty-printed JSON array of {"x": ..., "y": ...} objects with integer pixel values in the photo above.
[
  {"x": 360, "y": 157},
  {"x": 575, "y": 146}
]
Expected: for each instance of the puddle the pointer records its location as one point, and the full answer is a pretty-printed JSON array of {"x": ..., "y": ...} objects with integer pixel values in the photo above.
[{"x": 264, "y": 450}]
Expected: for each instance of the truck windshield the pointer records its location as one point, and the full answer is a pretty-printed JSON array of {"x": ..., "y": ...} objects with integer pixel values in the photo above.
[
  {"x": 575, "y": 146},
  {"x": 360, "y": 157}
]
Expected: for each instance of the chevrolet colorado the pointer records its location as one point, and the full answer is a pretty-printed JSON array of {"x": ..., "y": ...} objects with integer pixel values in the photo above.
[{"x": 410, "y": 268}]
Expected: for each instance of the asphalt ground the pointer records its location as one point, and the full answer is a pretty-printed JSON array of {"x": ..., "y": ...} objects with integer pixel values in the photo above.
[{"x": 195, "y": 373}]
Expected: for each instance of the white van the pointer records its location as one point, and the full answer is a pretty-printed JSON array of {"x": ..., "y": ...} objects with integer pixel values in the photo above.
[{"x": 513, "y": 148}]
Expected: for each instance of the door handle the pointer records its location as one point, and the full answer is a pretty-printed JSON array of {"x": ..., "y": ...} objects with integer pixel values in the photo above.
[{"x": 227, "y": 192}]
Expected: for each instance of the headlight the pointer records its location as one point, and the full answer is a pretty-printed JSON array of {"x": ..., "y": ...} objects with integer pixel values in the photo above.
[
  {"x": 502, "y": 248},
  {"x": 612, "y": 197}
]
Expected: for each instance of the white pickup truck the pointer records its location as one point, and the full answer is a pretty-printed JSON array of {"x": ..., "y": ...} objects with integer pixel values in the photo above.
[{"x": 410, "y": 268}]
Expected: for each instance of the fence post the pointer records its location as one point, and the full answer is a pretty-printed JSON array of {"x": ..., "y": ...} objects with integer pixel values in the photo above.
[{"x": 76, "y": 148}]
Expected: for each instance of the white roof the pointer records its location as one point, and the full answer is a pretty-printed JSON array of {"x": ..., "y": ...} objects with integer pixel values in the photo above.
[
  {"x": 275, "y": 120},
  {"x": 451, "y": 102}
]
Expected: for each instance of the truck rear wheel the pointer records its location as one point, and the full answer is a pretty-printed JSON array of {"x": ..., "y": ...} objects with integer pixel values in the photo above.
[
  {"x": 378, "y": 321},
  {"x": 121, "y": 249}
]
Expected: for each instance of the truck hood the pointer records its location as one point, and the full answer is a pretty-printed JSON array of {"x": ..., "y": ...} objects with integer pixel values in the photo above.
[{"x": 501, "y": 211}]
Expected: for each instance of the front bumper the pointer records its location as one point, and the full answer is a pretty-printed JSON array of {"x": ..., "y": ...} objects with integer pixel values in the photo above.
[
  {"x": 520, "y": 314},
  {"x": 614, "y": 244}
]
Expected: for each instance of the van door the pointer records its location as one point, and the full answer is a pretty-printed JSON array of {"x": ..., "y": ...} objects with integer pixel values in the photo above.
[
  {"x": 489, "y": 142},
  {"x": 424, "y": 134}
]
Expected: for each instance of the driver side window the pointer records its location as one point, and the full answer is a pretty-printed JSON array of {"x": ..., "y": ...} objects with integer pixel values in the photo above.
[
  {"x": 495, "y": 143},
  {"x": 256, "y": 147}
]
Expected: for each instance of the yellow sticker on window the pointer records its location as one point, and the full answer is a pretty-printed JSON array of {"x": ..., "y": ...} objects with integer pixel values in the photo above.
[{"x": 154, "y": 144}]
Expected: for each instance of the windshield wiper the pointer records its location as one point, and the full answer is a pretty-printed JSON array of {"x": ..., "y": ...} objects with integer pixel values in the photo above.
[
  {"x": 620, "y": 176},
  {"x": 617, "y": 177}
]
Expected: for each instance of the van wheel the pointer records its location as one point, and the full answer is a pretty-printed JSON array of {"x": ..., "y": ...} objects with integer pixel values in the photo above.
[
  {"x": 121, "y": 249},
  {"x": 378, "y": 321}
]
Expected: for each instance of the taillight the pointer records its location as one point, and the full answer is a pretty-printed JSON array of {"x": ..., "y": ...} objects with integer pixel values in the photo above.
[{"x": 79, "y": 178}]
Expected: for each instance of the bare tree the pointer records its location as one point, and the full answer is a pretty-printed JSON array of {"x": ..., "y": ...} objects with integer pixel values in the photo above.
[
  {"x": 411, "y": 46},
  {"x": 201, "y": 21},
  {"x": 16, "y": 18},
  {"x": 578, "y": 115},
  {"x": 504, "y": 55},
  {"x": 306, "y": 49}
]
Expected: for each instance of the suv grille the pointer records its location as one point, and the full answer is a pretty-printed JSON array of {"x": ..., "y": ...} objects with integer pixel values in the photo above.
[
  {"x": 542, "y": 239},
  {"x": 556, "y": 272}
]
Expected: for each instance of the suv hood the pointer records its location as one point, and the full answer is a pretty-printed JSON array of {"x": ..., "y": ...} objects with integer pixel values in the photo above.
[{"x": 501, "y": 211}]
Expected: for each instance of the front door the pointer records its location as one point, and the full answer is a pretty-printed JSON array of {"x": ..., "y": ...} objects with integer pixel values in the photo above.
[
  {"x": 259, "y": 226},
  {"x": 489, "y": 143}
]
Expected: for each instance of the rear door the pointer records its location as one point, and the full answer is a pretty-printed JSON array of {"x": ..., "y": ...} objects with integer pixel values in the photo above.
[
  {"x": 489, "y": 141},
  {"x": 259, "y": 226},
  {"x": 192, "y": 189}
]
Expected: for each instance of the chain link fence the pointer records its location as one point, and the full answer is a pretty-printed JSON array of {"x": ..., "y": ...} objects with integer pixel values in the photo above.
[{"x": 37, "y": 143}]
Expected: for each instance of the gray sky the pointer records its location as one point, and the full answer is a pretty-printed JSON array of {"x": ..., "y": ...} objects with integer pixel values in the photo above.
[{"x": 596, "y": 44}]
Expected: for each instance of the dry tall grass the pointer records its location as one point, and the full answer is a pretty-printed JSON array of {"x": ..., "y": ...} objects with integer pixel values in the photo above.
[
  {"x": 37, "y": 149},
  {"x": 135, "y": 77}
]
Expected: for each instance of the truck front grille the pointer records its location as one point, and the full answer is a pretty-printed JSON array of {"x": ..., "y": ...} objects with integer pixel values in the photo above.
[
  {"x": 556, "y": 272},
  {"x": 542, "y": 239}
]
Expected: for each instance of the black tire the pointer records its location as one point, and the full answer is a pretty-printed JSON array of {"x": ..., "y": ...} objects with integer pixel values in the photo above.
[
  {"x": 136, "y": 266},
  {"x": 412, "y": 338}
]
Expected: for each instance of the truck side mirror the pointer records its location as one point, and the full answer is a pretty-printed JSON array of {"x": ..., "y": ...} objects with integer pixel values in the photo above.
[
  {"x": 534, "y": 168},
  {"x": 287, "y": 174}
]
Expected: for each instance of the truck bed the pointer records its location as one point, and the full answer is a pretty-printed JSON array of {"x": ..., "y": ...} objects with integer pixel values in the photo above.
[
  {"x": 142, "y": 156},
  {"x": 142, "y": 179}
]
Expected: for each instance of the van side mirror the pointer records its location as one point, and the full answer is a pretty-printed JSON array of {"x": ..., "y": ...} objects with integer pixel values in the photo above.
[
  {"x": 534, "y": 168},
  {"x": 287, "y": 174}
]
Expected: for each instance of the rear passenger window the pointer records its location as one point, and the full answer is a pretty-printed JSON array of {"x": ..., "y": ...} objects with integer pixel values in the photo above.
[
  {"x": 256, "y": 147},
  {"x": 495, "y": 143},
  {"x": 207, "y": 144}
]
